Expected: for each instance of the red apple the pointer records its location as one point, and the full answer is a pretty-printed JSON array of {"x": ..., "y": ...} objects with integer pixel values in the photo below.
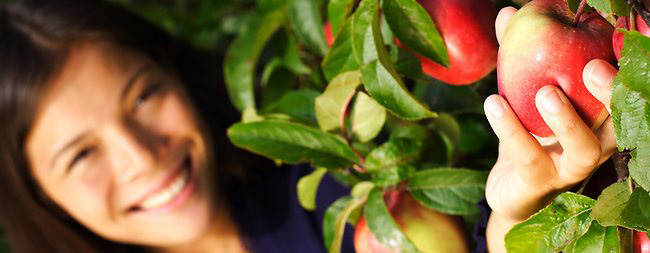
[
  {"x": 541, "y": 47},
  {"x": 624, "y": 23},
  {"x": 428, "y": 229},
  {"x": 467, "y": 27},
  {"x": 329, "y": 37},
  {"x": 641, "y": 242}
]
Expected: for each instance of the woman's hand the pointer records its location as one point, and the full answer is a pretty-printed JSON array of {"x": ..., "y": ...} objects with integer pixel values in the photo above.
[{"x": 528, "y": 174}]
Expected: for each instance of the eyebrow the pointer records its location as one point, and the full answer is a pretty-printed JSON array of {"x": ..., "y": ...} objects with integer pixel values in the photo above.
[{"x": 125, "y": 90}]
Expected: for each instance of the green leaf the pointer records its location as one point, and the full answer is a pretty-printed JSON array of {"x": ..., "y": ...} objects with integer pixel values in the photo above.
[
  {"x": 298, "y": 104},
  {"x": 307, "y": 188},
  {"x": 359, "y": 191},
  {"x": 452, "y": 191},
  {"x": 554, "y": 227},
  {"x": 340, "y": 58},
  {"x": 628, "y": 115},
  {"x": 331, "y": 232},
  {"x": 287, "y": 50},
  {"x": 450, "y": 131},
  {"x": 365, "y": 25},
  {"x": 635, "y": 70},
  {"x": 383, "y": 226},
  {"x": 362, "y": 189},
  {"x": 388, "y": 90},
  {"x": 448, "y": 98},
  {"x": 338, "y": 11},
  {"x": 406, "y": 63},
  {"x": 412, "y": 25},
  {"x": 250, "y": 115},
  {"x": 410, "y": 131},
  {"x": 636, "y": 215},
  {"x": 597, "y": 239},
  {"x": 368, "y": 117},
  {"x": 307, "y": 23},
  {"x": 340, "y": 212},
  {"x": 333, "y": 102},
  {"x": 475, "y": 133},
  {"x": 242, "y": 55},
  {"x": 271, "y": 4},
  {"x": 616, "y": 7},
  {"x": 639, "y": 165},
  {"x": 610, "y": 204},
  {"x": 292, "y": 143},
  {"x": 276, "y": 82},
  {"x": 394, "y": 153}
]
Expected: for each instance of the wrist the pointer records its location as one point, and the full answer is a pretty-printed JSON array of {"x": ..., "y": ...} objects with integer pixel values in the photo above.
[{"x": 498, "y": 226}]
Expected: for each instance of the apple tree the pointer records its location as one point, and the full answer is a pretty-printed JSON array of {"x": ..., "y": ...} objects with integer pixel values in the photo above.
[{"x": 384, "y": 107}]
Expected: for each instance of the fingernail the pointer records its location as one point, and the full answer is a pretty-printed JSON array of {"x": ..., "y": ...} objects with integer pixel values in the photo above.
[
  {"x": 551, "y": 101},
  {"x": 494, "y": 107},
  {"x": 601, "y": 74}
]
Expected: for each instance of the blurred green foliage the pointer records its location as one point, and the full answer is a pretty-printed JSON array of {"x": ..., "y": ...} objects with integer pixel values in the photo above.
[{"x": 208, "y": 24}]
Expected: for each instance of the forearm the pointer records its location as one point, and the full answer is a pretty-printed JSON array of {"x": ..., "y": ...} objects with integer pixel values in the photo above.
[{"x": 498, "y": 226}]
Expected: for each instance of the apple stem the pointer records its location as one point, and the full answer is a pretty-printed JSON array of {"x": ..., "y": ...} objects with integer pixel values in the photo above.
[
  {"x": 581, "y": 9},
  {"x": 631, "y": 21},
  {"x": 641, "y": 10}
]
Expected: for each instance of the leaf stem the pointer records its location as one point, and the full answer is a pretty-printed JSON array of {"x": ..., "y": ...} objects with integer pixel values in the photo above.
[
  {"x": 584, "y": 183},
  {"x": 581, "y": 9},
  {"x": 348, "y": 139}
]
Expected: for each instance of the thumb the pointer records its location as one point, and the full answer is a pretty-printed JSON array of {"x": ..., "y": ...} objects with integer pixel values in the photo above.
[{"x": 598, "y": 76}]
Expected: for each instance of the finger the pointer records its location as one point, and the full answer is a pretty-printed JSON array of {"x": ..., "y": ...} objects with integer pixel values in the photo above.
[
  {"x": 502, "y": 21},
  {"x": 598, "y": 76},
  {"x": 607, "y": 140},
  {"x": 581, "y": 148},
  {"x": 516, "y": 143}
]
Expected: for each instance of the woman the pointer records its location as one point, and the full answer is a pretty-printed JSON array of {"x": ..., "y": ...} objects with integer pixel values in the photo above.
[{"x": 114, "y": 134}]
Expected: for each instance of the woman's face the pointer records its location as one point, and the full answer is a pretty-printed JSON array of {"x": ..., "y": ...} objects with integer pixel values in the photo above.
[{"x": 118, "y": 145}]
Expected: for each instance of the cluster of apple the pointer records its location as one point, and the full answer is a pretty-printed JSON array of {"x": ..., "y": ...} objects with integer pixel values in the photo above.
[{"x": 544, "y": 43}]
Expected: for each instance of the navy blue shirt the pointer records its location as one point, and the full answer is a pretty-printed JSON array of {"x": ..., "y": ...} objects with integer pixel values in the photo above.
[{"x": 271, "y": 219}]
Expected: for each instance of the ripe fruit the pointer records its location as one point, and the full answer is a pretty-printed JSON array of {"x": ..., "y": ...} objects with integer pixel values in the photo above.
[
  {"x": 540, "y": 47},
  {"x": 641, "y": 242},
  {"x": 429, "y": 230},
  {"x": 329, "y": 37},
  {"x": 467, "y": 27},
  {"x": 624, "y": 23}
]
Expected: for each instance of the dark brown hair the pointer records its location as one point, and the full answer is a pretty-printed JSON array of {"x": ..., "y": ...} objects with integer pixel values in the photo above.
[{"x": 35, "y": 36}]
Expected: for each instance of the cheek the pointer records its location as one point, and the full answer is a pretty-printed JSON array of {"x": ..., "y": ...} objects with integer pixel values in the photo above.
[
  {"x": 173, "y": 116},
  {"x": 86, "y": 197}
]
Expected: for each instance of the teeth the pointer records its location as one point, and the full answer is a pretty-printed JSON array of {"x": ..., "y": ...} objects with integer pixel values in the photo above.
[{"x": 165, "y": 195}]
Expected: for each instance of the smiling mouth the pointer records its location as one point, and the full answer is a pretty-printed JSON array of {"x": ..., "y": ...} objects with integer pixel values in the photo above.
[{"x": 172, "y": 193}]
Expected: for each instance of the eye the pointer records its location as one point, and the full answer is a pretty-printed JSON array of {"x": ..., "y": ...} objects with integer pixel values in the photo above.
[
  {"x": 80, "y": 156},
  {"x": 145, "y": 95}
]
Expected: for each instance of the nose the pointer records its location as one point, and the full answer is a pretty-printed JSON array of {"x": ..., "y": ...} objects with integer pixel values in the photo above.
[{"x": 135, "y": 151}]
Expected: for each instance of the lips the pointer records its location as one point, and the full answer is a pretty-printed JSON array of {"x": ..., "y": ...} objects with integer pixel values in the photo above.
[{"x": 172, "y": 191}]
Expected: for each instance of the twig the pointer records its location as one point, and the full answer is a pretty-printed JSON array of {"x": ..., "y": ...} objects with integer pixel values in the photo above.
[
  {"x": 581, "y": 9},
  {"x": 641, "y": 10}
]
